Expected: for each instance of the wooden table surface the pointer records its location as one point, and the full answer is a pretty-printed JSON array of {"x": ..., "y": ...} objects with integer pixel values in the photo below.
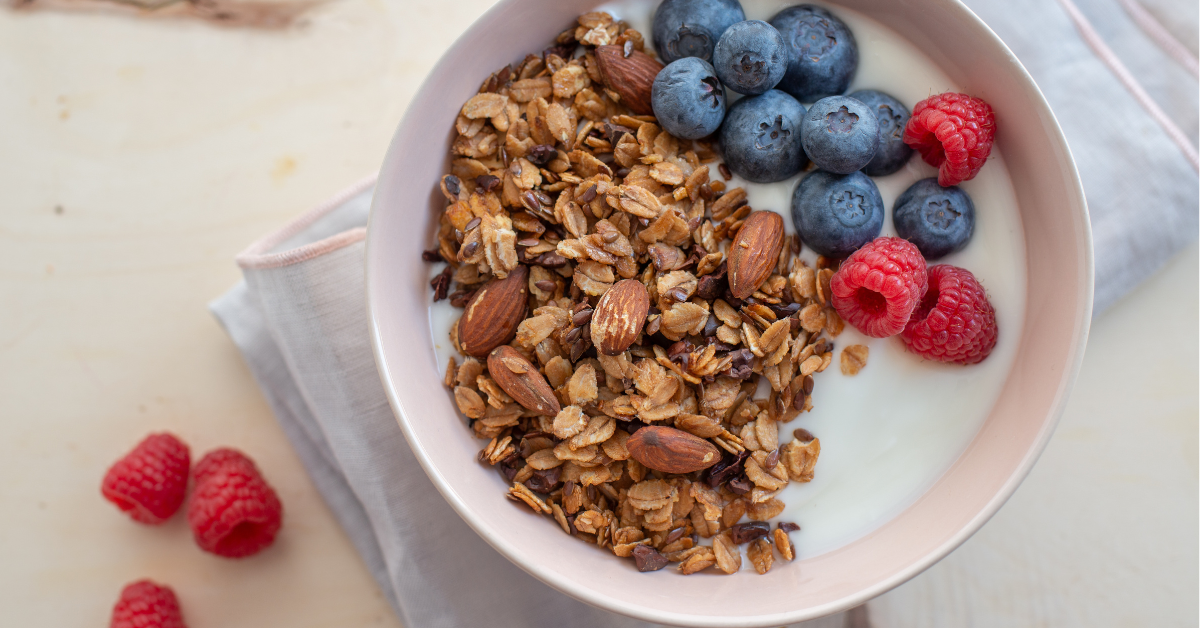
[{"x": 139, "y": 155}]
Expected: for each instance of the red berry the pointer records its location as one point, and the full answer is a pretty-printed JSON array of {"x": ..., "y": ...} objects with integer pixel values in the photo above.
[
  {"x": 953, "y": 132},
  {"x": 144, "y": 604},
  {"x": 954, "y": 322},
  {"x": 233, "y": 511},
  {"x": 150, "y": 482},
  {"x": 879, "y": 285}
]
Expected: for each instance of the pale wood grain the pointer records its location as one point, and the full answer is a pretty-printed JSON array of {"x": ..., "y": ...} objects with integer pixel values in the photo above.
[{"x": 140, "y": 156}]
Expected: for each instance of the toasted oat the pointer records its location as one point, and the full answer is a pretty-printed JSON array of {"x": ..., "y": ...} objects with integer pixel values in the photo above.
[
  {"x": 451, "y": 372},
  {"x": 550, "y": 170},
  {"x": 698, "y": 561},
  {"x": 728, "y": 556},
  {"x": 764, "y": 510},
  {"x": 784, "y": 544},
  {"x": 569, "y": 422},
  {"x": 800, "y": 458},
  {"x": 469, "y": 402},
  {"x": 522, "y": 493},
  {"x": 760, "y": 555},
  {"x": 854, "y": 358}
]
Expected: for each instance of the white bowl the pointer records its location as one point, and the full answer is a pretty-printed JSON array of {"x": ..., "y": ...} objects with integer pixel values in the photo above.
[{"x": 1059, "y": 295}]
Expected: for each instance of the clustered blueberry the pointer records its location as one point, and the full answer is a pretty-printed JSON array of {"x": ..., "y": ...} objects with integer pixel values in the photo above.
[
  {"x": 760, "y": 139},
  {"x": 687, "y": 99},
  {"x": 892, "y": 115},
  {"x": 750, "y": 57},
  {"x": 938, "y": 220},
  {"x": 835, "y": 213},
  {"x": 822, "y": 53},
  {"x": 839, "y": 134},
  {"x": 691, "y": 28},
  {"x": 803, "y": 54}
]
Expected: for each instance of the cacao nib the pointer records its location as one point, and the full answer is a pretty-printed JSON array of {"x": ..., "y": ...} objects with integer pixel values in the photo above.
[
  {"x": 740, "y": 485},
  {"x": 746, "y": 532},
  {"x": 648, "y": 558},
  {"x": 730, "y": 466},
  {"x": 487, "y": 182},
  {"x": 545, "y": 480},
  {"x": 541, "y": 154},
  {"x": 742, "y": 366},
  {"x": 441, "y": 283}
]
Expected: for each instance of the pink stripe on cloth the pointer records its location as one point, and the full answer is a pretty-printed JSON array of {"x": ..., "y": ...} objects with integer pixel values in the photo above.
[
  {"x": 1161, "y": 36},
  {"x": 1126, "y": 78},
  {"x": 258, "y": 254}
]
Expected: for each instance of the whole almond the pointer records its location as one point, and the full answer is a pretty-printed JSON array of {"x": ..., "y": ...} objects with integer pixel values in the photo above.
[
  {"x": 755, "y": 252},
  {"x": 631, "y": 77},
  {"x": 493, "y": 314},
  {"x": 670, "y": 450},
  {"x": 619, "y": 316},
  {"x": 521, "y": 380}
]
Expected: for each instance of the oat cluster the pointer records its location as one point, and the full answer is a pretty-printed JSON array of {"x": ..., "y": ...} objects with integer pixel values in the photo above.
[{"x": 553, "y": 174}]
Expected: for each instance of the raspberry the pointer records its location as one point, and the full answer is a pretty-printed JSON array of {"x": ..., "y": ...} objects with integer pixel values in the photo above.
[
  {"x": 954, "y": 322},
  {"x": 879, "y": 286},
  {"x": 150, "y": 482},
  {"x": 233, "y": 511},
  {"x": 954, "y": 133},
  {"x": 144, "y": 604}
]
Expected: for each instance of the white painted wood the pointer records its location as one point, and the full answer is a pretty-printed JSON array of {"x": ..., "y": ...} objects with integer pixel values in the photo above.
[{"x": 139, "y": 156}]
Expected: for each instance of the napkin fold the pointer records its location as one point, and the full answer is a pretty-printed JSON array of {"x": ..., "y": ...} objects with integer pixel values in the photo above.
[{"x": 299, "y": 315}]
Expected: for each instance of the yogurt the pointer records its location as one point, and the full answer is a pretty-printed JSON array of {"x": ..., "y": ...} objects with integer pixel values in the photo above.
[{"x": 889, "y": 432}]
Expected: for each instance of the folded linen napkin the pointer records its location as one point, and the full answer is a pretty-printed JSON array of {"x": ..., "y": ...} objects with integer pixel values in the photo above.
[{"x": 300, "y": 321}]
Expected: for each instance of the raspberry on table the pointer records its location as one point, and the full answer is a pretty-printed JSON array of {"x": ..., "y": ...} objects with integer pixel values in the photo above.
[
  {"x": 879, "y": 285},
  {"x": 954, "y": 133},
  {"x": 145, "y": 604},
  {"x": 955, "y": 322},
  {"x": 233, "y": 512},
  {"x": 150, "y": 482}
]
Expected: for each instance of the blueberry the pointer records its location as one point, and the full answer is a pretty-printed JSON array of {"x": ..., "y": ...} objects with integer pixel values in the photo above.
[
  {"x": 760, "y": 139},
  {"x": 837, "y": 213},
  {"x": 839, "y": 134},
  {"x": 688, "y": 99},
  {"x": 822, "y": 54},
  {"x": 750, "y": 57},
  {"x": 938, "y": 220},
  {"x": 691, "y": 28},
  {"x": 892, "y": 116}
]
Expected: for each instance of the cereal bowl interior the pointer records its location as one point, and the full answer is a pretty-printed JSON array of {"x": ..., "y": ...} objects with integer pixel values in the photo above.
[{"x": 915, "y": 456}]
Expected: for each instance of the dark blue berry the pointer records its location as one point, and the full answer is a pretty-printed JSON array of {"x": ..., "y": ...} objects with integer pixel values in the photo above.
[
  {"x": 938, "y": 220},
  {"x": 837, "y": 213},
  {"x": 750, "y": 57},
  {"x": 822, "y": 53},
  {"x": 691, "y": 28},
  {"x": 839, "y": 134},
  {"x": 688, "y": 99},
  {"x": 760, "y": 139},
  {"x": 892, "y": 116}
]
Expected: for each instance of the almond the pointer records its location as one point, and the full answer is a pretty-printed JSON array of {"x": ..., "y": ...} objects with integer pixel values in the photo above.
[
  {"x": 630, "y": 77},
  {"x": 493, "y": 314},
  {"x": 521, "y": 380},
  {"x": 670, "y": 450},
  {"x": 619, "y": 316},
  {"x": 755, "y": 252}
]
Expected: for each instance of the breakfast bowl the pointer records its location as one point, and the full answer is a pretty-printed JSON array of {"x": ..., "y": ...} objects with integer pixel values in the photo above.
[{"x": 915, "y": 456}]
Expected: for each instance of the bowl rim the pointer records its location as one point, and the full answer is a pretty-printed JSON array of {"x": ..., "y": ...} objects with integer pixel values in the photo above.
[{"x": 1018, "y": 474}]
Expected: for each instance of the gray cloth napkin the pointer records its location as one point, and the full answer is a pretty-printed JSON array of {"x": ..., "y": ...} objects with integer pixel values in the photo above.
[{"x": 300, "y": 321}]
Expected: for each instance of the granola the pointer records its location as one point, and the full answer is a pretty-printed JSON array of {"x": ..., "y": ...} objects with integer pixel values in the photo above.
[{"x": 553, "y": 172}]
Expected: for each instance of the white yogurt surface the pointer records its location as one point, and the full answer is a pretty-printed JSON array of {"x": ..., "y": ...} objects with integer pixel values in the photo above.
[{"x": 888, "y": 433}]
